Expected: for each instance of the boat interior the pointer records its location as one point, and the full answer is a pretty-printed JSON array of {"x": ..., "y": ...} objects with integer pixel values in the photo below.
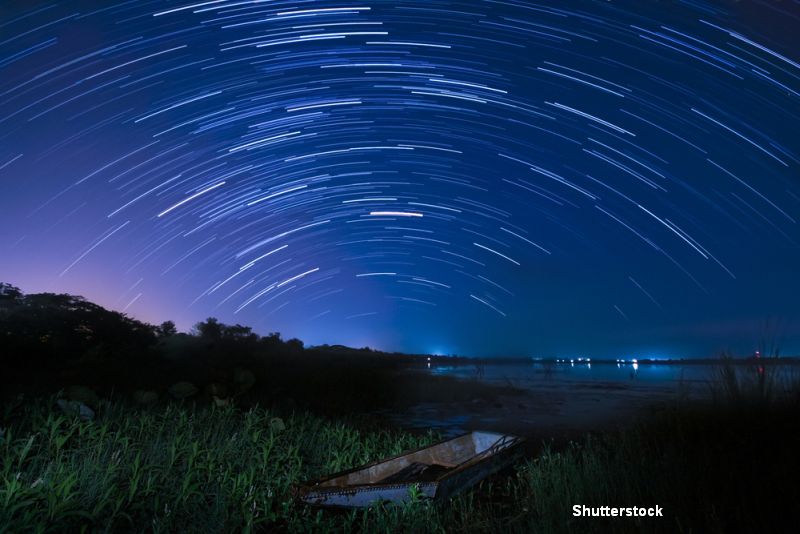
[{"x": 425, "y": 465}]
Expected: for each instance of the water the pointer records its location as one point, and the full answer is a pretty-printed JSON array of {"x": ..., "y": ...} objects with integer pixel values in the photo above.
[
  {"x": 563, "y": 399},
  {"x": 581, "y": 373}
]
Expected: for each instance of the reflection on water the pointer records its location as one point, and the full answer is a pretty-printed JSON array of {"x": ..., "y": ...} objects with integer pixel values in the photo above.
[
  {"x": 567, "y": 372},
  {"x": 572, "y": 394},
  {"x": 623, "y": 372}
]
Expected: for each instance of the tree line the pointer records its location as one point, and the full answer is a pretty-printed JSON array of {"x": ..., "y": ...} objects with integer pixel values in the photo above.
[{"x": 47, "y": 336}]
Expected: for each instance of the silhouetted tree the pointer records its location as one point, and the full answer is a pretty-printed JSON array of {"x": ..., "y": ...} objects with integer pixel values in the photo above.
[
  {"x": 238, "y": 332},
  {"x": 43, "y": 333},
  {"x": 9, "y": 292},
  {"x": 271, "y": 342},
  {"x": 294, "y": 345},
  {"x": 166, "y": 329},
  {"x": 210, "y": 329}
]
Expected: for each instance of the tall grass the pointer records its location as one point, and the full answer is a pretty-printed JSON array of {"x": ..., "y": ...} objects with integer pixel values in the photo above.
[
  {"x": 174, "y": 469},
  {"x": 179, "y": 469},
  {"x": 753, "y": 383}
]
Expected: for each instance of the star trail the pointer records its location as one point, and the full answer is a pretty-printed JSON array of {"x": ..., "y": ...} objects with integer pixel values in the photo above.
[{"x": 476, "y": 177}]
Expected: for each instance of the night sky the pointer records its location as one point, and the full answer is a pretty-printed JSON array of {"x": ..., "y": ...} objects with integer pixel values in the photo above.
[{"x": 475, "y": 177}]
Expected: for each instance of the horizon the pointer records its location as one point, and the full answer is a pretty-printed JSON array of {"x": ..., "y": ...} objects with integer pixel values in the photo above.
[
  {"x": 759, "y": 350},
  {"x": 464, "y": 178}
]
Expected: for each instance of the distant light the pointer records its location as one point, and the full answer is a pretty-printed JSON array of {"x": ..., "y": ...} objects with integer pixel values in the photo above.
[{"x": 635, "y": 361}]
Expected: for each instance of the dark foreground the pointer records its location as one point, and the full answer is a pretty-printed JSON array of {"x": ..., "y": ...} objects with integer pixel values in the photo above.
[
  {"x": 179, "y": 468},
  {"x": 207, "y": 432}
]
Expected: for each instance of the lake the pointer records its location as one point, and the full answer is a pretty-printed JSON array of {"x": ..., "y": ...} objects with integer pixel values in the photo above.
[{"x": 561, "y": 400}]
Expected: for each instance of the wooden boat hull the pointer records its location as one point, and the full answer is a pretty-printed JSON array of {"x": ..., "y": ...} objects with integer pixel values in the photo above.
[{"x": 436, "y": 472}]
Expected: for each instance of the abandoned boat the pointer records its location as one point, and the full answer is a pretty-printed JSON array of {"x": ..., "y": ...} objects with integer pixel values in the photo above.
[{"x": 438, "y": 471}]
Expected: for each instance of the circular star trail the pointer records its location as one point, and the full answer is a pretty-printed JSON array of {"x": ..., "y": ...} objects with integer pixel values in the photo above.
[{"x": 480, "y": 177}]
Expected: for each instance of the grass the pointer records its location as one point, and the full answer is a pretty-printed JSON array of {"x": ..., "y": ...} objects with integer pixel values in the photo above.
[
  {"x": 759, "y": 382},
  {"x": 172, "y": 469},
  {"x": 177, "y": 468}
]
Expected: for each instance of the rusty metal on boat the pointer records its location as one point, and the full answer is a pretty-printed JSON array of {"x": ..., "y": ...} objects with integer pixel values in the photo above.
[{"x": 438, "y": 471}]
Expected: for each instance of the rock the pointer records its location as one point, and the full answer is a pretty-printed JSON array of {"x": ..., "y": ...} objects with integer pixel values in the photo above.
[
  {"x": 82, "y": 394},
  {"x": 73, "y": 408},
  {"x": 276, "y": 424},
  {"x": 244, "y": 379},
  {"x": 216, "y": 390},
  {"x": 143, "y": 396},
  {"x": 220, "y": 402},
  {"x": 182, "y": 390}
]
